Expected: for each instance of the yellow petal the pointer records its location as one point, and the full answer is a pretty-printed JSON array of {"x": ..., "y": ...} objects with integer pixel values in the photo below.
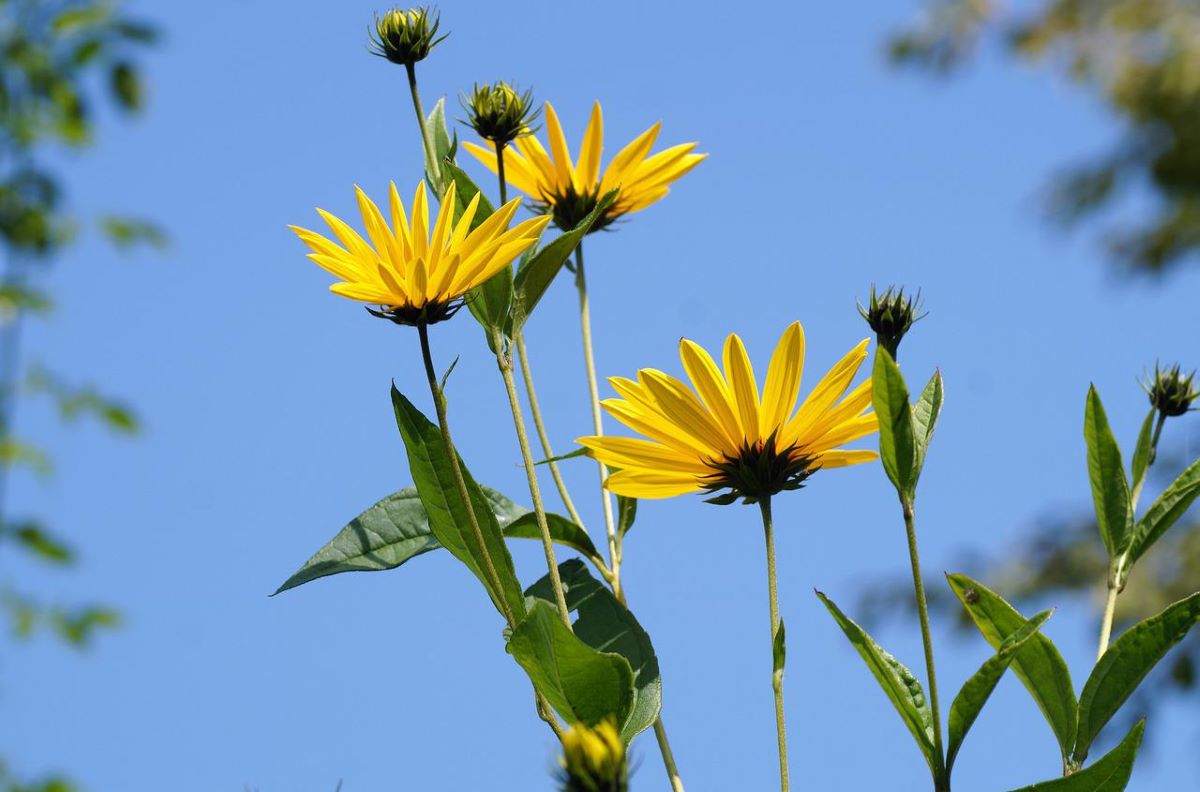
[
  {"x": 783, "y": 380},
  {"x": 420, "y": 223},
  {"x": 630, "y": 452},
  {"x": 629, "y": 157},
  {"x": 837, "y": 459},
  {"x": 558, "y": 147},
  {"x": 681, "y": 407},
  {"x": 588, "y": 171},
  {"x": 710, "y": 384},
  {"x": 641, "y": 484},
  {"x": 655, "y": 427},
  {"x": 828, "y": 391},
  {"x": 745, "y": 390}
]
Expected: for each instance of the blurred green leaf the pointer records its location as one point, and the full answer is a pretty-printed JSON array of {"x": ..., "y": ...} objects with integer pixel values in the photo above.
[
  {"x": 126, "y": 84},
  {"x": 79, "y": 626},
  {"x": 1037, "y": 663},
  {"x": 1163, "y": 513},
  {"x": 36, "y": 540},
  {"x": 1106, "y": 471},
  {"x": 128, "y": 232},
  {"x": 14, "y": 453},
  {"x": 1109, "y": 774},
  {"x": 1125, "y": 664},
  {"x": 606, "y": 625},
  {"x": 581, "y": 683},
  {"x": 903, "y": 689}
]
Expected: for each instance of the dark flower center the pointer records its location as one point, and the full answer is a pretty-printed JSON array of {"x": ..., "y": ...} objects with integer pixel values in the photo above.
[{"x": 757, "y": 471}]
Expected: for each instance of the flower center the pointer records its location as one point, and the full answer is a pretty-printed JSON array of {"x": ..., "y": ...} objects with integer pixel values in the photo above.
[{"x": 758, "y": 470}]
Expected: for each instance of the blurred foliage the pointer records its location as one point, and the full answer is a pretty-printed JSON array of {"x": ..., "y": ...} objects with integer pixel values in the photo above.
[
  {"x": 1063, "y": 560},
  {"x": 1142, "y": 59},
  {"x": 61, "y": 61}
]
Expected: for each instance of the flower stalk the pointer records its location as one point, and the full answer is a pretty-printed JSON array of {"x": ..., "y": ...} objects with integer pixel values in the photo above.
[
  {"x": 776, "y": 673},
  {"x": 941, "y": 781},
  {"x": 435, "y": 170}
]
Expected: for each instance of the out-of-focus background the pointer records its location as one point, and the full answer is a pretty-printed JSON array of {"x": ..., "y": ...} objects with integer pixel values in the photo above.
[{"x": 188, "y": 413}]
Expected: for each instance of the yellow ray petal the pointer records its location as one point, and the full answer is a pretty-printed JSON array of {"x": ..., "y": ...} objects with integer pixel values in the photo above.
[
  {"x": 681, "y": 407},
  {"x": 845, "y": 432},
  {"x": 366, "y": 293},
  {"x": 828, "y": 391},
  {"x": 420, "y": 223},
  {"x": 587, "y": 173},
  {"x": 629, "y": 157},
  {"x": 349, "y": 238},
  {"x": 558, "y": 147},
  {"x": 710, "y": 384},
  {"x": 630, "y": 452},
  {"x": 654, "y": 427},
  {"x": 837, "y": 459},
  {"x": 337, "y": 266},
  {"x": 381, "y": 237},
  {"x": 640, "y": 484},
  {"x": 745, "y": 390},
  {"x": 783, "y": 380},
  {"x": 400, "y": 223},
  {"x": 445, "y": 215}
]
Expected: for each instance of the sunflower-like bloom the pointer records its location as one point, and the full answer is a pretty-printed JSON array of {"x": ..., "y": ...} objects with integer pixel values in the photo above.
[
  {"x": 417, "y": 278},
  {"x": 723, "y": 436},
  {"x": 570, "y": 190}
]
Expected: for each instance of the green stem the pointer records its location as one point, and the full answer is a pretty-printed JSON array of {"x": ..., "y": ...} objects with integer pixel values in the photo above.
[
  {"x": 1106, "y": 623},
  {"x": 500, "y": 173},
  {"x": 435, "y": 171},
  {"x": 504, "y": 361},
  {"x": 589, "y": 359},
  {"x": 439, "y": 403},
  {"x": 940, "y": 781},
  {"x": 776, "y": 676},
  {"x": 543, "y": 437},
  {"x": 664, "y": 747}
]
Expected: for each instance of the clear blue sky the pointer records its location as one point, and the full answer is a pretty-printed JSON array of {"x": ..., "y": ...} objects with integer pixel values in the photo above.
[{"x": 268, "y": 423}]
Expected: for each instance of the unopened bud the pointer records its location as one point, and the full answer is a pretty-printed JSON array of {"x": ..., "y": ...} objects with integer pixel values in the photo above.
[
  {"x": 1170, "y": 392},
  {"x": 499, "y": 112},
  {"x": 890, "y": 315},
  {"x": 405, "y": 37}
]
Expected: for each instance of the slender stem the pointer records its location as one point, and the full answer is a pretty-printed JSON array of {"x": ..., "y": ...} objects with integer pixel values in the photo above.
[
  {"x": 504, "y": 361},
  {"x": 500, "y": 174},
  {"x": 439, "y": 403},
  {"x": 589, "y": 359},
  {"x": 1106, "y": 623},
  {"x": 435, "y": 170},
  {"x": 664, "y": 747},
  {"x": 776, "y": 676},
  {"x": 926, "y": 639},
  {"x": 543, "y": 437}
]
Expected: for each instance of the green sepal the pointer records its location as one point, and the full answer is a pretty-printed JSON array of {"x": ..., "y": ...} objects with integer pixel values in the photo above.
[
  {"x": 1109, "y": 774},
  {"x": 1106, "y": 471},
  {"x": 431, "y": 471},
  {"x": 606, "y": 625},
  {"x": 903, "y": 689},
  {"x": 1125, "y": 664},
  {"x": 1037, "y": 663},
  {"x": 975, "y": 692},
  {"x": 538, "y": 271},
  {"x": 582, "y": 684},
  {"x": 779, "y": 650},
  {"x": 897, "y": 432},
  {"x": 1164, "y": 512}
]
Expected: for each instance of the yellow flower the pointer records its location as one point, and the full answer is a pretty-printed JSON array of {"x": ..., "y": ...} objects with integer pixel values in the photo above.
[
  {"x": 594, "y": 758},
  {"x": 569, "y": 191},
  {"x": 727, "y": 437},
  {"x": 417, "y": 278}
]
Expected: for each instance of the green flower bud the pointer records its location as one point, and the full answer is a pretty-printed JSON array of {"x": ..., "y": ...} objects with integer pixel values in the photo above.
[
  {"x": 890, "y": 315},
  {"x": 405, "y": 37},
  {"x": 594, "y": 759},
  {"x": 1170, "y": 392},
  {"x": 499, "y": 113}
]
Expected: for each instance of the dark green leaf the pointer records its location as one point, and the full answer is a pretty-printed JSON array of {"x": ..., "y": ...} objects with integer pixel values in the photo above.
[
  {"x": 1106, "y": 470},
  {"x": 925, "y": 415},
  {"x": 126, "y": 86},
  {"x": 36, "y": 540},
  {"x": 1037, "y": 663},
  {"x": 1141, "y": 455},
  {"x": 897, "y": 442},
  {"x": 448, "y": 519},
  {"x": 974, "y": 694},
  {"x": 1163, "y": 513},
  {"x": 901, "y": 687},
  {"x": 578, "y": 452},
  {"x": 582, "y": 684},
  {"x": 1125, "y": 664},
  {"x": 626, "y": 514},
  {"x": 562, "y": 531},
  {"x": 606, "y": 625},
  {"x": 538, "y": 272},
  {"x": 1110, "y": 774}
]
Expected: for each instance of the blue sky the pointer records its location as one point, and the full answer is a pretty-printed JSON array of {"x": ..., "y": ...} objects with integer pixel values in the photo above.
[{"x": 268, "y": 424}]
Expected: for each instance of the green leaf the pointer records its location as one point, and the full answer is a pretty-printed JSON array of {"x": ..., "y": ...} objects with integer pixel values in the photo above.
[
  {"x": 1037, "y": 663},
  {"x": 1125, "y": 664},
  {"x": 1163, "y": 513},
  {"x": 1106, "y": 470},
  {"x": 538, "y": 271},
  {"x": 975, "y": 693},
  {"x": 126, "y": 85},
  {"x": 901, "y": 687},
  {"x": 578, "y": 452},
  {"x": 465, "y": 190},
  {"x": 37, "y": 541},
  {"x": 779, "y": 650},
  {"x": 562, "y": 531},
  {"x": 129, "y": 232},
  {"x": 606, "y": 625},
  {"x": 897, "y": 440},
  {"x": 626, "y": 514},
  {"x": 1109, "y": 774},
  {"x": 925, "y": 415},
  {"x": 435, "y": 482},
  {"x": 582, "y": 684},
  {"x": 443, "y": 147},
  {"x": 1141, "y": 454}
]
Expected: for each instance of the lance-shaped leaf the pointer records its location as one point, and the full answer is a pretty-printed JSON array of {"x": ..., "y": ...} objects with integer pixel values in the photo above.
[
  {"x": 448, "y": 518},
  {"x": 626, "y": 514},
  {"x": 581, "y": 683},
  {"x": 897, "y": 438},
  {"x": 537, "y": 272},
  {"x": 901, "y": 686},
  {"x": 562, "y": 531},
  {"x": 1037, "y": 663},
  {"x": 606, "y": 625},
  {"x": 1125, "y": 664},
  {"x": 385, "y": 536},
  {"x": 1106, "y": 471},
  {"x": 1141, "y": 456},
  {"x": 974, "y": 694},
  {"x": 444, "y": 147},
  {"x": 1109, "y": 774},
  {"x": 925, "y": 415},
  {"x": 1163, "y": 513}
]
